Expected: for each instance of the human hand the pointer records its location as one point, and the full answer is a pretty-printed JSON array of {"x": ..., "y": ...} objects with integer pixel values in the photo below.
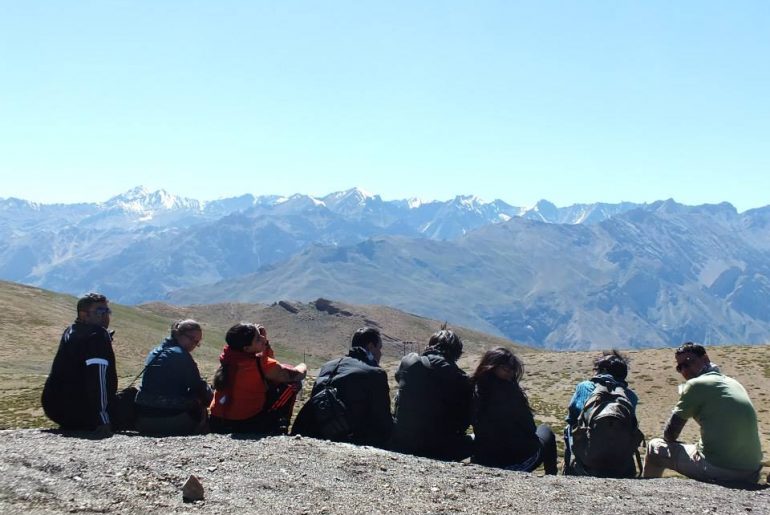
[{"x": 262, "y": 330}]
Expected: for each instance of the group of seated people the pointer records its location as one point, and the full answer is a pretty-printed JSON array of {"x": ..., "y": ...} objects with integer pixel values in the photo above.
[{"x": 435, "y": 405}]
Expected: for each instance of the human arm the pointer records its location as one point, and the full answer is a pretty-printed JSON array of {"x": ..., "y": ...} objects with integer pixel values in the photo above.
[
  {"x": 285, "y": 373},
  {"x": 268, "y": 352},
  {"x": 195, "y": 385},
  {"x": 97, "y": 362},
  {"x": 462, "y": 401},
  {"x": 583, "y": 391},
  {"x": 274, "y": 371},
  {"x": 688, "y": 406},
  {"x": 673, "y": 428},
  {"x": 380, "y": 418}
]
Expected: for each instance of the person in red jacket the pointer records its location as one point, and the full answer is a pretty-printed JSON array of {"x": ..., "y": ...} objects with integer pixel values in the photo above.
[{"x": 248, "y": 373}]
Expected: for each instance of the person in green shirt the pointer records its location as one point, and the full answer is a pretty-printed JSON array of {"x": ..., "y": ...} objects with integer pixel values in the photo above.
[{"x": 729, "y": 448}]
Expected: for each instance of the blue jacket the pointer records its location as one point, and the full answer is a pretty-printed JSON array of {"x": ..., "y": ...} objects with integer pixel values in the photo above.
[{"x": 171, "y": 380}]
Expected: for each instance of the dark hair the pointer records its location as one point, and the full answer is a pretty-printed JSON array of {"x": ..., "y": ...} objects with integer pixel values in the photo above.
[
  {"x": 446, "y": 343},
  {"x": 238, "y": 336},
  {"x": 493, "y": 358},
  {"x": 497, "y": 357},
  {"x": 614, "y": 363},
  {"x": 364, "y": 336},
  {"x": 185, "y": 326},
  {"x": 692, "y": 348},
  {"x": 89, "y": 299},
  {"x": 241, "y": 335}
]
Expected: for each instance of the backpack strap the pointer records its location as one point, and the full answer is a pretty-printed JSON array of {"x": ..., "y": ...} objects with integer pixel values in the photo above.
[
  {"x": 145, "y": 367},
  {"x": 334, "y": 372}
]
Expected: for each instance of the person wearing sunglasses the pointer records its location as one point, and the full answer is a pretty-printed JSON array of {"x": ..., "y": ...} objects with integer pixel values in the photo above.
[
  {"x": 729, "y": 448},
  {"x": 83, "y": 379},
  {"x": 173, "y": 398}
]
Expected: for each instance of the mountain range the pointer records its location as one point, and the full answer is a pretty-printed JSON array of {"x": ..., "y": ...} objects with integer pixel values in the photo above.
[
  {"x": 142, "y": 244},
  {"x": 583, "y": 276}
]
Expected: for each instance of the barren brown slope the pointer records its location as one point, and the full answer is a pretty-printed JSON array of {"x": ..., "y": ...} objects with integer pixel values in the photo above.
[
  {"x": 320, "y": 330},
  {"x": 32, "y": 320}
]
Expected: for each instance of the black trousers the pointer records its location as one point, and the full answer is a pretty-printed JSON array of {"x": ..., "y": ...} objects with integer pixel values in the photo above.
[
  {"x": 548, "y": 452},
  {"x": 273, "y": 419}
]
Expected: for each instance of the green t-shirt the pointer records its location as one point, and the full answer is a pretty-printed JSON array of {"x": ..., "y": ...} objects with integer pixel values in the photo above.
[{"x": 728, "y": 422}]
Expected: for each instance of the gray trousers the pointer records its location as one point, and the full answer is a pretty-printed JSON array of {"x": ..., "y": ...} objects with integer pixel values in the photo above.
[{"x": 685, "y": 459}]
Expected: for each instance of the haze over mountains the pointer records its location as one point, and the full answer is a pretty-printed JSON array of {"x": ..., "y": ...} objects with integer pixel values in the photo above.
[{"x": 581, "y": 276}]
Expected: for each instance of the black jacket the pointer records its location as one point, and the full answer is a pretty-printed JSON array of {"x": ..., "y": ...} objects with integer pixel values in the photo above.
[
  {"x": 503, "y": 425},
  {"x": 432, "y": 405},
  {"x": 83, "y": 378},
  {"x": 363, "y": 387}
]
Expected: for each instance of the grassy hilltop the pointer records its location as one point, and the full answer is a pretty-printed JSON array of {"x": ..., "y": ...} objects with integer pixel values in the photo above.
[{"x": 31, "y": 322}]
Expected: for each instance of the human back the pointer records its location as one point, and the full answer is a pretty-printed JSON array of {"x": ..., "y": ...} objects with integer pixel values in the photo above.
[
  {"x": 607, "y": 434},
  {"x": 362, "y": 388},
  {"x": 505, "y": 433},
  {"x": 173, "y": 396},
  {"x": 434, "y": 401},
  {"x": 81, "y": 387},
  {"x": 727, "y": 419},
  {"x": 602, "y": 434},
  {"x": 729, "y": 447}
]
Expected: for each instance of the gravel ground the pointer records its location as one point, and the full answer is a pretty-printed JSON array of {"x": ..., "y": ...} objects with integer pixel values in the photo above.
[{"x": 48, "y": 472}]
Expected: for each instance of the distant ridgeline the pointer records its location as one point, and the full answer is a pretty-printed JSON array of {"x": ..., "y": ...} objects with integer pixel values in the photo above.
[{"x": 585, "y": 276}]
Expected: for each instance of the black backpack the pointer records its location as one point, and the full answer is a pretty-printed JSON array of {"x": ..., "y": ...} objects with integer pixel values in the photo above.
[
  {"x": 329, "y": 411},
  {"x": 122, "y": 409},
  {"x": 607, "y": 436}
]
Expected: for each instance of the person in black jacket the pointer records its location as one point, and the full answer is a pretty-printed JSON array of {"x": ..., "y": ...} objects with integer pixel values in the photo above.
[
  {"x": 83, "y": 378},
  {"x": 362, "y": 385},
  {"x": 173, "y": 397},
  {"x": 433, "y": 401},
  {"x": 503, "y": 425}
]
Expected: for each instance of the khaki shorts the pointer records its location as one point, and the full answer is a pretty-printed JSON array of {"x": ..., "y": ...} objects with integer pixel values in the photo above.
[{"x": 685, "y": 459}]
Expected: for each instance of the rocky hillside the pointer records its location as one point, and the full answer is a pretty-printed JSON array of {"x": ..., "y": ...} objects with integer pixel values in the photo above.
[
  {"x": 651, "y": 277},
  {"x": 46, "y": 472}
]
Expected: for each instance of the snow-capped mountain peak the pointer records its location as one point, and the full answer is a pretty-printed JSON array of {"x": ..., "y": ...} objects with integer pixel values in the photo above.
[
  {"x": 349, "y": 202},
  {"x": 468, "y": 202},
  {"x": 142, "y": 200},
  {"x": 414, "y": 203}
]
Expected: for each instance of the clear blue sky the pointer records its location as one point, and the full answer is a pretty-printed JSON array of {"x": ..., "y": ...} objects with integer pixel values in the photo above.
[{"x": 576, "y": 101}]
